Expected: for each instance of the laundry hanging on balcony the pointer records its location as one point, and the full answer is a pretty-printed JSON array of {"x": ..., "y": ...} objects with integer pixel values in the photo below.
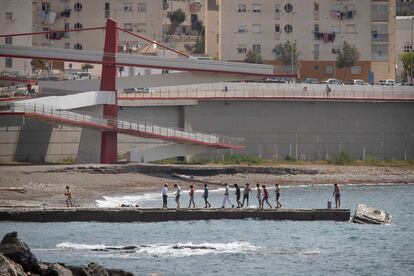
[{"x": 326, "y": 37}]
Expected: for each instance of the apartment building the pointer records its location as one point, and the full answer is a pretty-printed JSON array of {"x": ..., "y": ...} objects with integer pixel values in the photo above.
[
  {"x": 139, "y": 16},
  {"x": 15, "y": 17},
  {"x": 318, "y": 27},
  {"x": 404, "y": 40}
]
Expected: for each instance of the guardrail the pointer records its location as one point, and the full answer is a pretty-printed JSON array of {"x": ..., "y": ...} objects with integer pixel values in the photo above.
[
  {"x": 141, "y": 129},
  {"x": 271, "y": 90}
]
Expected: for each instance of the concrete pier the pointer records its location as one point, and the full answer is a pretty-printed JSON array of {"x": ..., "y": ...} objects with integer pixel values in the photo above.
[{"x": 158, "y": 215}]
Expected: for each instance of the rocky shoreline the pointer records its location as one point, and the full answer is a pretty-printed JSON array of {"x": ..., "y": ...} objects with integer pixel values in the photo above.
[{"x": 16, "y": 259}]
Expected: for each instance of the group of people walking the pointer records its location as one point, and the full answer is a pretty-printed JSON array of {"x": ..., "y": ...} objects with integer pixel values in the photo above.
[{"x": 262, "y": 195}]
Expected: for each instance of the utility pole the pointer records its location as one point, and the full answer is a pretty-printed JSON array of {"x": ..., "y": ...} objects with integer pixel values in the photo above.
[{"x": 411, "y": 50}]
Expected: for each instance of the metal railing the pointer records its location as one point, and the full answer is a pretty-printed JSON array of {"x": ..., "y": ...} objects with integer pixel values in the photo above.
[
  {"x": 271, "y": 90},
  {"x": 142, "y": 129}
]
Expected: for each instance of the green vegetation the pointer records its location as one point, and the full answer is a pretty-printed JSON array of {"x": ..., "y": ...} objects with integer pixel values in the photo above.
[
  {"x": 343, "y": 158},
  {"x": 177, "y": 17},
  {"x": 407, "y": 60},
  {"x": 87, "y": 66},
  {"x": 68, "y": 160},
  {"x": 348, "y": 57},
  {"x": 253, "y": 57},
  {"x": 289, "y": 51}
]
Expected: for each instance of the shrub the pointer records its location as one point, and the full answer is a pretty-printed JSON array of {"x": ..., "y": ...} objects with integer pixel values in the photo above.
[{"x": 343, "y": 158}]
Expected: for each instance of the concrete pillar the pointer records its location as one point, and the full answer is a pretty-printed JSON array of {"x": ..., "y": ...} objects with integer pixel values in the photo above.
[{"x": 185, "y": 123}]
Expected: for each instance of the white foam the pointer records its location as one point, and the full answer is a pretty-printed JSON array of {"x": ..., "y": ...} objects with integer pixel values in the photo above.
[
  {"x": 80, "y": 246},
  {"x": 170, "y": 250}
]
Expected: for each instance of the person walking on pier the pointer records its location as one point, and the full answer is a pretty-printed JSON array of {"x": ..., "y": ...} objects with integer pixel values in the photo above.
[
  {"x": 191, "y": 193},
  {"x": 278, "y": 205},
  {"x": 337, "y": 194},
  {"x": 205, "y": 196},
  {"x": 238, "y": 194},
  {"x": 177, "y": 195},
  {"x": 259, "y": 195},
  {"x": 246, "y": 193},
  {"x": 68, "y": 195},
  {"x": 165, "y": 196},
  {"x": 265, "y": 194},
  {"x": 227, "y": 197}
]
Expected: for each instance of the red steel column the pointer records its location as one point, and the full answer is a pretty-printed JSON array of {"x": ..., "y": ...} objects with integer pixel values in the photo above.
[{"x": 109, "y": 140}]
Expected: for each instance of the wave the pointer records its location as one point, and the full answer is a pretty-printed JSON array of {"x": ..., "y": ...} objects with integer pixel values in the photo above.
[{"x": 167, "y": 250}]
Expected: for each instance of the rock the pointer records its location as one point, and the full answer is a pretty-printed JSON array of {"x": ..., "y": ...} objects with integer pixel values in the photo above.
[
  {"x": 94, "y": 269},
  {"x": 365, "y": 214},
  {"x": 19, "y": 252},
  {"x": 10, "y": 268},
  {"x": 57, "y": 270}
]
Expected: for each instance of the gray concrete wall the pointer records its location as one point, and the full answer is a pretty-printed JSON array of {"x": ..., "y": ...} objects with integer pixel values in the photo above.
[{"x": 311, "y": 130}]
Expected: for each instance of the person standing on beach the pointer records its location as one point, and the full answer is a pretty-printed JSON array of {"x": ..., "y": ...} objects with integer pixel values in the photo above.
[
  {"x": 238, "y": 194},
  {"x": 259, "y": 195},
  {"x": 337, "y": 194},
  {"x": 278, "y": 205},
  {"x": 246, "y": 193},
  {"x": 68, "y": 195},
  {"x": 177, "y": 195},
  {"x": 205, "y": 196},
  {"x": 227, "y": 197},
  {"x": 191, "y": 193},
  {"x": 265, "y": 194},
  {"x": 165, "y": 196}
]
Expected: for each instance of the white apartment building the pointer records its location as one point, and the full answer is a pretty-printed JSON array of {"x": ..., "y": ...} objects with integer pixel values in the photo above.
[
  {"x": 404, "y": 40},
  {"x": 15, "y": 17},
  {"x": 139, "y": 16},
  {"x": 318, "y": 27}
]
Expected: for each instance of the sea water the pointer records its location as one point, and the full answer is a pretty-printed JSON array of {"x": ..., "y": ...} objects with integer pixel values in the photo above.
[{"x": 240, "y": 247}]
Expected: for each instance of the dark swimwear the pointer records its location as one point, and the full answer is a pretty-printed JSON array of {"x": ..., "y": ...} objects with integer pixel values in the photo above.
[{"x": 277, "y": 196}]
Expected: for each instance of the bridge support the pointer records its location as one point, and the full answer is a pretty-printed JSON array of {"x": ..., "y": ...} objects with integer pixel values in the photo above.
[{"x": 109, "y": 141}]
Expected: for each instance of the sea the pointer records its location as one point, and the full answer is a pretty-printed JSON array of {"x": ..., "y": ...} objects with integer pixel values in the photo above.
[{"x": 239, "y": 247}]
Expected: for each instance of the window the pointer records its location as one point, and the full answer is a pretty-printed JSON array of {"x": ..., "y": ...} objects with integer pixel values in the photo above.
[
  {"x": 316, "y": 67},
  {"x": 128, "y": 26},
  {"x": 128, "y": 6},
  {"x": 257, "y": 8},
  {"x": 9, "y": 62},
  {"x": 316, "y": 28},
  {"x": 277, "y": 28},
  {"x": 329, "y": 69},
  {"x": 256, "y": 28},
  {"x": 379, "y": 51},
  {"x": 277, "y": 8},
  {"x": 8, "y": 40},
  {"x": 242, "y": 8},
  {"x": 107, "y": 9},
  {"x": 67, "y": 27},
  {"x": 141, "y": 27},
  {"x": 257, "y": 48},
  {"x": 356, "y": 70},
  {"x": 288, "y": 8},
  {"x": 336, "y": 50},
  {"x": 288, "y": 28},
  {"x": 78, "y": 46},
  {"x": 316, "y": 52},
  {"x": 336, "y": 29},
  {"x": 242, "y": 29},
  {"x": 67, "y": 45},
  {"x": 78, "y": 26},
  {"x": 9, "y": 17},
  {"x": 242, "y": 48},
  {"x": 350, "y": 29},
  {"x": 45, "y": 6},
  {"x": 316, "y": 6},
  {"x": 78, "y": 7},
  {"x": 407, "y": 47},
  {"x": 142, "y": 7}
]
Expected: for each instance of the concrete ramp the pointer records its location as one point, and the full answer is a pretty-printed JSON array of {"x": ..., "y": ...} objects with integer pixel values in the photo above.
[{"x": 164, "y": 151}]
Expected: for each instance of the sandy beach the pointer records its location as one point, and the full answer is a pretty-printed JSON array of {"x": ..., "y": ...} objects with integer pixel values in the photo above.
[{"x": 45, "y": 184}]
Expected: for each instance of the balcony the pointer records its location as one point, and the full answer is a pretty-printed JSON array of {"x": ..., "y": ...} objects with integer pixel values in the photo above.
[
  {"x": 379, "y": 37},
  {"x": 379, "y": 16}
]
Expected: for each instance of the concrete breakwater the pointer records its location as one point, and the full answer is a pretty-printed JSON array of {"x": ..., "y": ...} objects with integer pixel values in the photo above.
[{"x": 158, "y": 215}]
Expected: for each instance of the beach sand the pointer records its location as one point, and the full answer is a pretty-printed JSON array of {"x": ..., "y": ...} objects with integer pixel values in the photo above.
[{"x": 45, "y": 184}]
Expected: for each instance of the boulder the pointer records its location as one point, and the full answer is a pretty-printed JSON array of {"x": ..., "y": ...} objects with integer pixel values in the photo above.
[
  {"x": 365, "y": 214},
  {"x": 19, "y": 252},
  {"x": 94, "y": 269},
  {"x": 10, "y": 268},
  {"x": 57, "y": 270}
]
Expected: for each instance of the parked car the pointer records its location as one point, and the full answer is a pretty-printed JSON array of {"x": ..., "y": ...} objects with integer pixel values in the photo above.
[
  {"x": 137, "y": 90},
  {"x": 333, "y": 81},
  {"x": 386, "y": 82},
  {"x": 356, "y": 82},
  {"x": 85, "y": 75},
  {"x": 73, "y": 76},
  {"x": 276, "y": 80},
  {"x": 311, "y": 81}
]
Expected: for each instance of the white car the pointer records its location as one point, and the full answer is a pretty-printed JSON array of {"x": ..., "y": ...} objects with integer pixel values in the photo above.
[
  {"x": 387, "y": 82},
  {"x": 333, "y": 81}
]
